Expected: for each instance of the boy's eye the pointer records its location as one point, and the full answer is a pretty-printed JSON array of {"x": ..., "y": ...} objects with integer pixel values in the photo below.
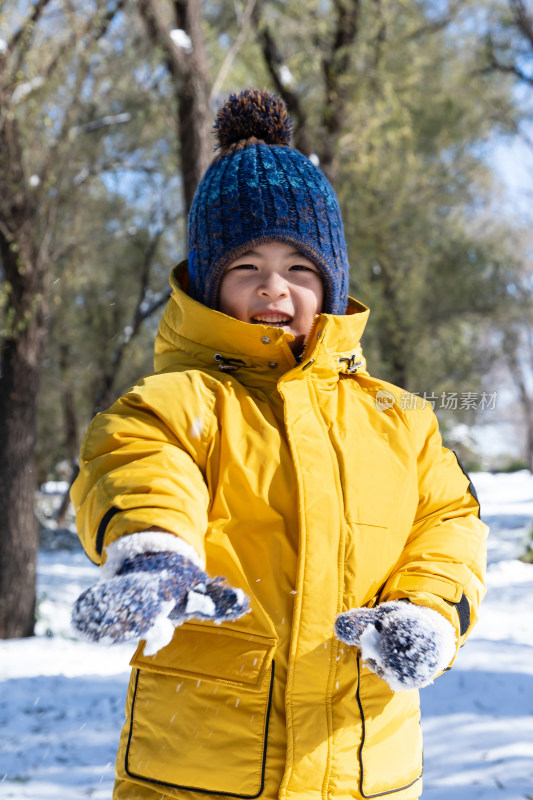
[
  {"x": 244, "y": 266},
  {"x": 302, "y": 267}
]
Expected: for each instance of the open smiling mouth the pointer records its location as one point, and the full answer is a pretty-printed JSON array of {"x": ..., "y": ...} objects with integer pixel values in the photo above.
[{"x": 277, "y": 321}]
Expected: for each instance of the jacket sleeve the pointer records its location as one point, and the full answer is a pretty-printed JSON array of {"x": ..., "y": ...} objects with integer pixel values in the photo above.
[
  {"x": 142, "y": 466},
  {"x": 443, "y": 563}
]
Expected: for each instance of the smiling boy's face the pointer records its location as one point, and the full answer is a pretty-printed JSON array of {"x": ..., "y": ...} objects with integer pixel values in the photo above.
[{"x": 273, "y": 284}]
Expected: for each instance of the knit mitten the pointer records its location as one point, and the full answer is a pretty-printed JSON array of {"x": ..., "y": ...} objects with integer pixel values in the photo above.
[
  {"x": 150, "y": 594},
  {"x": 405, "y": 644}
]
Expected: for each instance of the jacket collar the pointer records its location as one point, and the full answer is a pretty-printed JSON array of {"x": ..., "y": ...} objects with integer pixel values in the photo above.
[{"x": 193, "y": 335}]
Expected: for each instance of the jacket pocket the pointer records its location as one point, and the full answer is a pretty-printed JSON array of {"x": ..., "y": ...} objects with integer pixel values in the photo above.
[
  {"x": 390, "y": 756},
  {"x": 198, "y": 718}
]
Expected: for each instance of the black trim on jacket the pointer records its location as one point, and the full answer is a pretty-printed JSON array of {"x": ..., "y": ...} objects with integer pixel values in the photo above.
[
  {"x": 463, "y": 606},
  {"x": 361, "y": 766},
  {"x": 463, "y": 609},
  {"x": 106, "y": 519},
  {"x": 471, "y": 487}
]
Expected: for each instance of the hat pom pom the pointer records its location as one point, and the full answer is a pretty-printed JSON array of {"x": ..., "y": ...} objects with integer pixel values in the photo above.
[{"x": 253, "y": 114}]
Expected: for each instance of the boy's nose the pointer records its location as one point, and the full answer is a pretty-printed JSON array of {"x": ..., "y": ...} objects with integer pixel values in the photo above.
[{"x": 273, "y": 286}]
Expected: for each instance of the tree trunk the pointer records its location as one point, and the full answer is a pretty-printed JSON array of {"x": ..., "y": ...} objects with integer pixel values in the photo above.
[
  {"x": 70, "y": 421},
  {"x": 529, "y": 444},
  {"x": 511, "y": 354},
  {"x": 22, "y": 357},
  {"x": 187, "y": 64},
  {"x": 22, "y": 351},
  {"x": 192, "y": 95},
  {"x": 390, "y": 331}
]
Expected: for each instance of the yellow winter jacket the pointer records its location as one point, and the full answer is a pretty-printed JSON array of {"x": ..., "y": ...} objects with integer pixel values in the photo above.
[{"x": 313, "y": 487}]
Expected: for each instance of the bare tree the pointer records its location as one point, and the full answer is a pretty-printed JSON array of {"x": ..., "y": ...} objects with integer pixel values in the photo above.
[{"x": 27, "y": 222}]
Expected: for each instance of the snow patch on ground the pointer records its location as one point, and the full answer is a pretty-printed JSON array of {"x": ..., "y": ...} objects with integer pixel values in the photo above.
[{"x": 478, "y": 718}]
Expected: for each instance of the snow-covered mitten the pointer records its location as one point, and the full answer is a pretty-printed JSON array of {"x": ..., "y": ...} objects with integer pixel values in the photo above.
[
  {"x": 147, "y": 594},
  {"x": 405, "y": 644}
]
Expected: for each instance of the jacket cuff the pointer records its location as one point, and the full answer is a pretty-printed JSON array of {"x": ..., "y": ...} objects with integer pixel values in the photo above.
[{"x": 133, "y": 544}]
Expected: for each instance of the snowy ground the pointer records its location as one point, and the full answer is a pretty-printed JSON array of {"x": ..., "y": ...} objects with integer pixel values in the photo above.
[
  {"x": 478, "y": 718},
  {"x": 61, "y": 700}
]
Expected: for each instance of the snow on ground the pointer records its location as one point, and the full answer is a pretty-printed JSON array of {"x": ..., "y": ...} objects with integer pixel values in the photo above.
[
  {"x": 61, "y": 699},
  {"x": 478, "y": 718}
]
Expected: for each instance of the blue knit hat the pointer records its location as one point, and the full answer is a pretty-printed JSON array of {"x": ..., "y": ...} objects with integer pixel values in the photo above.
[{"x": 259, "y": 190}]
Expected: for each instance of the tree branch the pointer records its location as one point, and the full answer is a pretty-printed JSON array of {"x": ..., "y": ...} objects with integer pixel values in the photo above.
[
  {"x": 437, "y": 25},
  {"x": 159, "y": 32},
  {"x": 523, "y": 21},
  {"x": 524, "y": 24},
  {"x": 141, "y": 312},
  {"x": 335, "y": 67},
  {"x": 21, "y": 39},
  {"x": 274, "y": 62},
  {"x": 509, "y": 69},
  {"x": 96, "y": 33},
  {"x": 94, "y": 37},
  {"x": 225, "y": 67},
  {"x": 381, "y": 36}
]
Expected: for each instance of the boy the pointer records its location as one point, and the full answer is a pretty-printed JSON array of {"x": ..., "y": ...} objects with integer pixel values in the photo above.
[{"x": 348, "y": 538}]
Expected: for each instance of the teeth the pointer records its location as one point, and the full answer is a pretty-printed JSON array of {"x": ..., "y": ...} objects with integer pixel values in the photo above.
[{"x": 272, "y": 320}]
